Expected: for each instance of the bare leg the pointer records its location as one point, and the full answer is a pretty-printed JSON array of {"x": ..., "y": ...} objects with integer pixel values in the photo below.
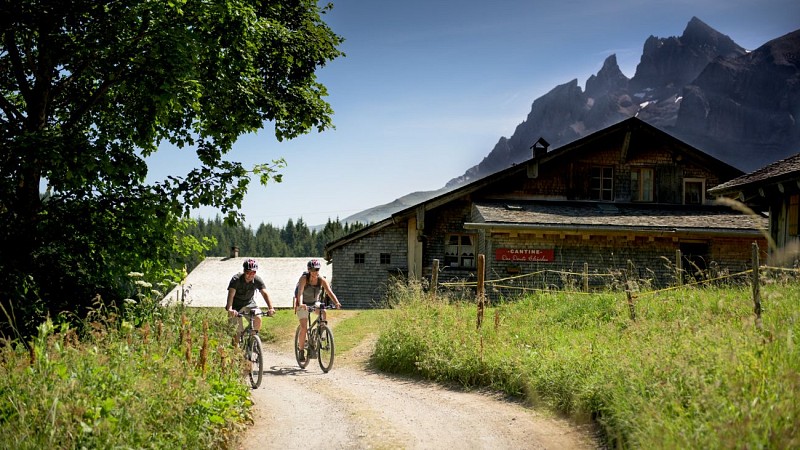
[{"x": 303, "y": 331}]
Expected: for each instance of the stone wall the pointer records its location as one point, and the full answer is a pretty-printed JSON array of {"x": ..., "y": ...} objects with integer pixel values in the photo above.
[{"x": 364, "y": 285}]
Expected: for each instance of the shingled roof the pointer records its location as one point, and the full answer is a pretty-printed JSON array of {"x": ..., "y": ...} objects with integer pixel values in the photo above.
[
  {"x": 785, "y": 169},
  {"x": 618, "y": 216}
]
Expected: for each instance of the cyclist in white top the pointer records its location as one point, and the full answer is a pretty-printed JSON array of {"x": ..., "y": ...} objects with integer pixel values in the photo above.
[{"x": 308, "y": 291}]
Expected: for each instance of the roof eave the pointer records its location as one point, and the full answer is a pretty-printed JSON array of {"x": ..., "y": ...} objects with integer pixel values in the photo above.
[{"x": 584, "y": 229}]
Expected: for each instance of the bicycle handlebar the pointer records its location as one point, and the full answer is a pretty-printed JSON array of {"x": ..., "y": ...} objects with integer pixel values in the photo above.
[
  {"x": 319, "y": 305},
  {"x": 250, "y": 313}
]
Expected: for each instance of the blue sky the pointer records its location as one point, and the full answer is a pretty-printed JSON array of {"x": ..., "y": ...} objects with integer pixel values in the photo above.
[{"x": 428, "y": 87}]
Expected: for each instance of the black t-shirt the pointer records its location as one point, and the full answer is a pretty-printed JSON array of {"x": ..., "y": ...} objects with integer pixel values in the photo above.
[{"x": 245, "y": 292}]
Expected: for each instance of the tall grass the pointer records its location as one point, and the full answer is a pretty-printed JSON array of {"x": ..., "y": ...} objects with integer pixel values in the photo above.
[
  {"x": 173, "y": 382},
  {"x": 692, "y": 371}
]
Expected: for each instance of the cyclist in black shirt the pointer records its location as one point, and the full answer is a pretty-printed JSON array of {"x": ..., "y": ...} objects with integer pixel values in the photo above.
[{"x": 241, "y": 295}]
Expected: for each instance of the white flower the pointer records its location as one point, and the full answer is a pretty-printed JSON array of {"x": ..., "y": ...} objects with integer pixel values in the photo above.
[
  {"x": 136, "y": 274},
  {"x": 130, "y": 301},
  {"x": 144, "y": 284}
]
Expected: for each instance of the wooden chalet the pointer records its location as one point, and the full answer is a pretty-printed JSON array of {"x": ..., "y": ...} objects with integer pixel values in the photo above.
[
  {"x": 630, "y": 192},
  {"x": 775, "y": 188}
]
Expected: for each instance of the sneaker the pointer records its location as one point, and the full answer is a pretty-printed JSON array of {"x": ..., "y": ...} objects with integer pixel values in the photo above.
[{"x": 302, "y": 355}]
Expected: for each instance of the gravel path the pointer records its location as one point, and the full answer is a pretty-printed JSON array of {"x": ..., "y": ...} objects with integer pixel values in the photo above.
[{"x": 363, "y": 409}]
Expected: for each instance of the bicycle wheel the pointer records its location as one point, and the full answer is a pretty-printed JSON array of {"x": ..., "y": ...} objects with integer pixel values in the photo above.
[
  {"x": 326, "y": 348},
  {"x": 300, "y": 363},
  {"x": 255, "y": 361}
]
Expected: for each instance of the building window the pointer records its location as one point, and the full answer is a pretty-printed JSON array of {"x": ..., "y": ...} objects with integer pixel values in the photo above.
[
  {"x": 793, "y": 216},
  {"x": 360, "y": 258},
  {"x": 601, "y": 183},
  {"x": 386, "y": 258},
  {"x": 642, "y": 185},
  {"x": 459, "y": 250},
  {"x": 694, "y": 190}
]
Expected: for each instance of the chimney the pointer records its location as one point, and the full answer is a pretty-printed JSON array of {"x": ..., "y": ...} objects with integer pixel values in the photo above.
[
  {"x": 540, "y": 148},
  {"x": 234, "y": 252}
]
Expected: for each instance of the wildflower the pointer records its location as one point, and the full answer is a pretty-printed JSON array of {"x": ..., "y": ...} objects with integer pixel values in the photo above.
[
  {"x": 135, "y": 274},
  {"x": 130, "y": 301},
  {"x": 142, "y": 283}
]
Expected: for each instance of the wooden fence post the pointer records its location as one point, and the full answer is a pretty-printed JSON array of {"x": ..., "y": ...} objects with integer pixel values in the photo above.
[
  {"x": 756, "y": 286},
  {"x": 629, "y": 284},
  {"x": 678, "y": 267},
  {"x": 435, "y": 277},
  {"x": 481, "y": 264},
  {"x": 631, "y": 305},
  {"x": 585, "y": 277}
]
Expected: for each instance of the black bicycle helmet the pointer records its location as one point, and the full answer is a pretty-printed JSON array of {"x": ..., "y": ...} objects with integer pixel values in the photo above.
[{"x": 250, "y": 264}]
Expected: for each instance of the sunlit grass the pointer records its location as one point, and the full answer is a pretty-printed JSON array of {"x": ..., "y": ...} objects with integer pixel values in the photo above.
[
  {"x": 168, "y": 384},
  {"x": 692, "y": 371},
  {"x": 356, "y": 326}
]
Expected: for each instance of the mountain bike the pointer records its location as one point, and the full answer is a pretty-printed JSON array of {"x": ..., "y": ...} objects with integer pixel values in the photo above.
[
  {"x": 250, "y": 343},
  {"x": 319, "y": 340}
]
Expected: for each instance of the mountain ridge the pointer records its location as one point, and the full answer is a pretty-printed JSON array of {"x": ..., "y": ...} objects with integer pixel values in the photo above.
[{"x": 701, "y": 87}]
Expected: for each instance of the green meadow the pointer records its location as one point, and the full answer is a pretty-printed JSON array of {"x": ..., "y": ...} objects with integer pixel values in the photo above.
[{"x": 691, "y": 371}]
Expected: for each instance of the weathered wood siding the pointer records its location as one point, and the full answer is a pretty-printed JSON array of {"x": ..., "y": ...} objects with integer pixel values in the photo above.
[
  {"x": 654, "y": 261},
  {"x": 364, "y": 285}
]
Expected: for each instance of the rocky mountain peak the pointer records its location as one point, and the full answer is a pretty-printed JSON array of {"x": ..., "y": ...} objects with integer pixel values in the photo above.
[
  {"x": 700, "y": 87},
  {"x": 668, "y": 64},
  {"x": 698, "y": 33},
  {"x": 783, "y": 50},
  {"x": 610, "y": 78}
]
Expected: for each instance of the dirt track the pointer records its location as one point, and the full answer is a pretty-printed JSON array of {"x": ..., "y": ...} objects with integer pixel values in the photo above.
[{"x": 362, "y": 409}]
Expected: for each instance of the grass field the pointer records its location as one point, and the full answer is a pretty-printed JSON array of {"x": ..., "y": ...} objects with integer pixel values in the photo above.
[{"x": 692, "y": 371}]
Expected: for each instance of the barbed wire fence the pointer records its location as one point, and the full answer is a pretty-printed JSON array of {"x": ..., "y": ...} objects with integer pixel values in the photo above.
[{"x": 618, "y": 280}]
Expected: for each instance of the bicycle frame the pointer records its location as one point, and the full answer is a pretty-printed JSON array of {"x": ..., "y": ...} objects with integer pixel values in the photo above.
[
  {"x": 252, "y": 348},
  {"x": 319, "y": 340}
]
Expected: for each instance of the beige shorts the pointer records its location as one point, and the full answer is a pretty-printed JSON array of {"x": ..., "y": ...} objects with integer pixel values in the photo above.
[
  {"x": 302, "y": 313},
  {"x": 238, "y": 321}
]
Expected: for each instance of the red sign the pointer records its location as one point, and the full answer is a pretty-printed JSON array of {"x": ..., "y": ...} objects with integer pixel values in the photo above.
[{"x": 526, "y": 255}]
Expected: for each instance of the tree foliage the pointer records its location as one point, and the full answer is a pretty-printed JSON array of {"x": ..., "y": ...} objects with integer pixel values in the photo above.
[
  {"x": 267, "y": 240},
  {"x": 92, "y": 87}
]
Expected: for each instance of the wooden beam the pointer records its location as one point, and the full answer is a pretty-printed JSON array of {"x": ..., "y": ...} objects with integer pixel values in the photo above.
[{"x": 625, "y": 146}]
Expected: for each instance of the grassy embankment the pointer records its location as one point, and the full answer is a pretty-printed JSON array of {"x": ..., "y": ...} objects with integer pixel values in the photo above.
[
  {"x": 692, "y": 371},
  {"x": 173, "y": 381}
]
